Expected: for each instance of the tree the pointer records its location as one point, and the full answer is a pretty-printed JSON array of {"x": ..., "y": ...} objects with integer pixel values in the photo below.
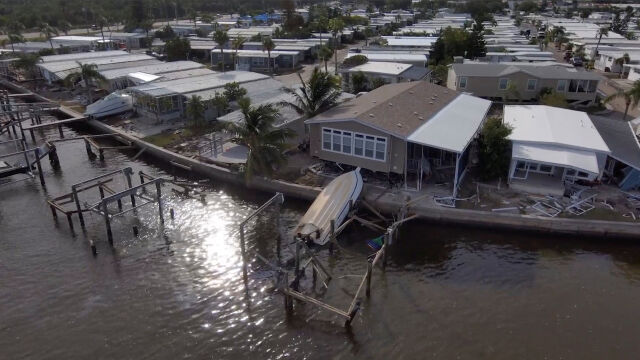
[
  {"x": 64, "y": 26},
  {"x": 494, "y": 149},
  {"x": 603, "y": 31},
  {"x": 88, "y": 73},
  {"x": 101, "y": 22},
  {"x": 554, "y": 99},
  {"x": 355, "y": 60},
  {"x": 368, "y": 33},
  {"x": 177, "y": 49},
  {"x": 336, "y": 25},
  {"x": 359, "y": 82},
  {"x": 233, "y": 91},
  {"x": 147, "y": 26},
  {"x": 317, "y": 95},
  {"x": 237, "y": 44},
  {"x": 27, "y": 62},
  {"x": 630, "y": 97},
  {"x": 528, "y": 6},
  {"x": 452, "y": 42},
  {"x": 195, "y": 112},
  {"x": 268, "y": 45},
  {"x": 221, "y": 38},
  {"x": 511, "y": 92},
  {"x": 325, "y": 54},
  {"x": 48, "y": 32},
  {"x": 476, "y": 47},
  {"x": 624, "y": 59},
  {"x": 265, "y": 142},
  {"x": 439, "y": 74},
  {"x": 220, "y": 102},
  {"x": 14, "y": 34}
]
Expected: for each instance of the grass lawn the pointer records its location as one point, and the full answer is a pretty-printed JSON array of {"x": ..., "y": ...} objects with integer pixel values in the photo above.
[{"x": 163, "y": 139}]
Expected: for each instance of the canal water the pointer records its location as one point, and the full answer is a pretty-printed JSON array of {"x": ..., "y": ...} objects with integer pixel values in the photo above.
[{"x": 177, "y": 292}]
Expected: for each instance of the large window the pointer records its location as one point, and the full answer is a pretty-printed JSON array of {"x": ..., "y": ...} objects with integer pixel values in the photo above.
[
  {"x": 562, "y": 86},
  {"x": 463, "y": 82},
  {"x": 531, "y": 84},
  {"x": 350, "y": 143},
  {"x": 502, "y": 85}
]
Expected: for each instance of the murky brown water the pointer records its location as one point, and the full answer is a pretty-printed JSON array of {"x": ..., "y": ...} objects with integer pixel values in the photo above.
[{"x": 447, "y": 292}]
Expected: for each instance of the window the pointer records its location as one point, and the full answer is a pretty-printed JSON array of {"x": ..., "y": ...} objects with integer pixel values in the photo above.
[
  {"x": 531, "y": 84},
  {"x": 326, "y": 139},
  {"x": 582, "y": 86},
  {"x": 358, "y": 145},
  {"x": 593, "y": 86},
  {"x": 547, "y": 169},
  {"x": 503, "y": 84},
  {"x": 463, "y": 82},
  {"x": 562, "y": 86},
  {"x": 347, "y": 142}
]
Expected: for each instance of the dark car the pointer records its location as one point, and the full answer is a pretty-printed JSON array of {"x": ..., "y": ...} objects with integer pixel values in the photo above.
[{"x": 576, "y": 61}]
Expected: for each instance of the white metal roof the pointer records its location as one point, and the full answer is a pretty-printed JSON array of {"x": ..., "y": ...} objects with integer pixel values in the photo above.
[
  {"x": 541, "y": 124},
  {"x": 557, "y": 155},
  {"x": 380, "y": 67},
  {"x": 198, "y": 84},
  {"x": 83, "y": 55},
  {"x": 161, "y": 68},
  {"x": 453, "y": 127},
  {"x": 103, "y": 60},
  {"x": 410, "y": 40},
  {"x": 140, "y": 77}
]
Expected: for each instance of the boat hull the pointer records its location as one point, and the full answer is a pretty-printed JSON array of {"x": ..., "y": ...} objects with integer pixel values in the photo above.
[
  {"x": 331, "y": 204},
  {"x": 111, "y": 106}
]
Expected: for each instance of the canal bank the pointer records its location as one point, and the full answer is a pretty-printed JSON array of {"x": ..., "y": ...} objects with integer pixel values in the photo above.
[{"x": 383, "y": 200}]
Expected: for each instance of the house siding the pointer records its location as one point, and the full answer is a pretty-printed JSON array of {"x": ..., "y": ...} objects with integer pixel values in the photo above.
[
  {"x": 396, "y": 147},
  {"x": 487, "y": 87}
]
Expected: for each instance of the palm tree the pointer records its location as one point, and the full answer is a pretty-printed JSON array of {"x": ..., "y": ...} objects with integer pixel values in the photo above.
[
  {"x": 147, "y": 25},
  {"x": 258, "y": 133},
  {"x": 64, "y": 26},
  {"x": 87, "y": 73},
  {"x": 221, "y": 38},
  {"x": 319, "y": 25},
  {"x": 336, "y": 25},
  {"x": 316, "y": 96},
  {"x": 14, "y": 34},
  {"x": 624, "y": 59},
  {"x": 630, "y": 97},
  {"x": 195, "y": 112},
  {"x": 325, "y": 54},
  {"x": 48, "y": 31},
  {"x": 602, "y": 31},
  {"x": 268, "y": 45},
  {"x": 101, "y": 22},
  {"x": 27, "y": 62},
  {"x": 237, "y": 44},
  {"x": 368, "y": 32}
]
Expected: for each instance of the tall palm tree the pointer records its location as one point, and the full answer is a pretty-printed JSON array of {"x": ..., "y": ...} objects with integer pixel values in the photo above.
[
  {"x": 316, "y": 96},
  {"x": 268, "y": 45},
  {"x": 27, "y": 62},
  {"x": 14, "y": 34},
  {"x": 195, "y": 111},
  {"x": 221, "y": 38},
  {"x": 237, "y": 44},
  {"x": 624, "y": 59},
  {"x": 258, "y": 133},
  {"x": 87, "y": 73},
  {"x": 336, "y": 25},
  {"x": 630, "y": 97},
  {"x": 320, "y": 25},
  {"x": 48, "y": 31},
  {"x": 325, "y": 54},
  {"x": 603, "y": 31},
  {"x": 101, "y": 22},
  {"x": 64, "y": 26}
]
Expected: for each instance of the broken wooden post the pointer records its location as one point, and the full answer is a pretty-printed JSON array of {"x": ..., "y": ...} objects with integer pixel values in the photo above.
[
  {"x": 60, "y": 131},
  {"x": 107, "y": 222},
  {"x": 77, "y": 201},
  {"x": 90, "y": 153},
  {"x": 333, "y": 235},
  {"x": 159, "y": 195},
  {"x": 36, "y": 152}
]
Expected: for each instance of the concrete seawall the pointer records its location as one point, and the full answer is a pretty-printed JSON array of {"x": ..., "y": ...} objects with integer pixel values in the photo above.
[{"x": 513, "y": 222}]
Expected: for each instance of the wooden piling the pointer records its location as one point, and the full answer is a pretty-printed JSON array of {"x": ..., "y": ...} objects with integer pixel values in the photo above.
[
  {"x": 36, "y": 152},
  {"x": 107, "y": 222},
  {"x": 159, "y": 197}
]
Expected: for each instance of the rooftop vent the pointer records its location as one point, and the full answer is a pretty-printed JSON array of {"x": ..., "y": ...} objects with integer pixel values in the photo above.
[
  {"x": 371, "y": 115},
  {"x": 420, "y": 117},
  {"x": 390, "y": 104},
  {"x": 431, "y": 102},
  {"x": 399, "y": 125}
]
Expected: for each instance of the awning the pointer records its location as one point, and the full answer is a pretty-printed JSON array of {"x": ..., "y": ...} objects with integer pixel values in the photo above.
[{"x": 558, "y": 156}]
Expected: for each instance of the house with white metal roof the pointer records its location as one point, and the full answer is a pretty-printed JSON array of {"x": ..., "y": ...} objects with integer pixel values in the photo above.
[
  {"x": 118, "y": 78},
  {"x": 418, "y": 130},
  {"x": 552, "y": 147},
  {"x": 258, "y": 60},
  {"x": 385, "y": 72},
  {"x": 623, "y": 163},
  {"x": 398, "y": 57},
  {"x": 58, "y": 70},
  {"x": 165, "y": 100}
]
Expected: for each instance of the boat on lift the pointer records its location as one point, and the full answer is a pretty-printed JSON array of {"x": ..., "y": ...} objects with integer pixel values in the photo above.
[
  {"x": 331, "y": 204},
  {"x": 112, "y": 104}
]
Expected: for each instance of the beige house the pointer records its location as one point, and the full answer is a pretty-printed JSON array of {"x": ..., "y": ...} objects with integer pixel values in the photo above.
[
  {"x": 415, "y": 129},
  {"x": 523, "y": 82}
]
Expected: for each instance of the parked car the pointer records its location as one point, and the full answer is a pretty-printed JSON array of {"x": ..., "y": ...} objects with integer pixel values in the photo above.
[{"x": 576, "y": 61}]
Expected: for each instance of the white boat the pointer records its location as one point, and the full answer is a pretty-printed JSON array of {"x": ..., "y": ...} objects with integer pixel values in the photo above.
[
  {"x": 331, "y": 204},
  {"x": 112, "y": 104}
]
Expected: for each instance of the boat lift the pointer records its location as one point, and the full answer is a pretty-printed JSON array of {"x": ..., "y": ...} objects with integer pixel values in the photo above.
[
  {"x": 288, "y": 282},
  {"x": 32, "y": 158}
]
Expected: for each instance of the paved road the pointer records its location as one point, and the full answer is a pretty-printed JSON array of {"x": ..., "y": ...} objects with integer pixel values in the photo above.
[{"x": 35, "y": 35}]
